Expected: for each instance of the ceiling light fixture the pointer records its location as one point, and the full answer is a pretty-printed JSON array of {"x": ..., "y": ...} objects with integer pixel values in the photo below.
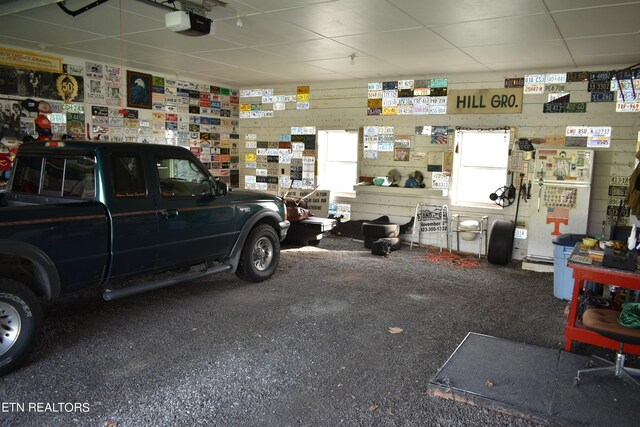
[
  {"x": 353, "y": 58},
  {"x": 239, "y": 22}
]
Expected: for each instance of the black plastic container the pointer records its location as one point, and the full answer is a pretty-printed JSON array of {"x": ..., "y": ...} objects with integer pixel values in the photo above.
[{"x": 622, "y": 259}]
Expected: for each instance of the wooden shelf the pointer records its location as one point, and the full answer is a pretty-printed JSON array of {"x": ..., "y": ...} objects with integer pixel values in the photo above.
[{"x": 401, "y": 191}]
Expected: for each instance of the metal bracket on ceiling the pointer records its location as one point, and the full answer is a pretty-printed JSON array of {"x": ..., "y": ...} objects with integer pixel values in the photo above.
[
  {"x": 82, "y": 9},
  {"x": 201, "y": 9},
  {"x": 189, "y": 6}
]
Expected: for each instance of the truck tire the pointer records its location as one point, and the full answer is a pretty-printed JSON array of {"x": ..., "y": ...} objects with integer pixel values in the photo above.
[
  {"x": 260, "y": 254},
  {"x": 20, "y": 322}
]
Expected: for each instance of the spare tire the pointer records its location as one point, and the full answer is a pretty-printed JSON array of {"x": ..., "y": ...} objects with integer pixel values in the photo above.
[{"x": 501, "y": 242}]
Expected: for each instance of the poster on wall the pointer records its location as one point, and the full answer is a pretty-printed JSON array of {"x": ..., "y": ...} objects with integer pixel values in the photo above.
[
  {"x": 435, "y": 160},
  {"x": 94, "y": 90},
  {"x": 40, "y": 84},
  {"x": 401, "y": 154},
  {"x": 138, "y": 90},
  {"x": 439, "y": 135}
]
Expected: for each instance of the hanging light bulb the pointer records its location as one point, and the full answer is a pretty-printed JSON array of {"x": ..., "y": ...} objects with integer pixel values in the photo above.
[
  {"x": 353, "y": 58},
  {"x": 239, "y": 22}
]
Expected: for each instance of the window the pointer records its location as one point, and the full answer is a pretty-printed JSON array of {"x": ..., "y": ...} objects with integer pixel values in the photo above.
[
  {"x": 182, "y": 178},
  {"x": 63, "y": 177},
  {"x": 338, "y": 160},
  {"x": 53, "y": 176},
  {"x": 480, "y": 163},
  {"x": 79, "y": 180},
  {"x": 26, "y": 175},
  {"x": 128, "y": 177}
]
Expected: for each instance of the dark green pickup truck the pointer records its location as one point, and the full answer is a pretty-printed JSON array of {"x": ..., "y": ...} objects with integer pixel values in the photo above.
[{"x": 81, "y": 215}]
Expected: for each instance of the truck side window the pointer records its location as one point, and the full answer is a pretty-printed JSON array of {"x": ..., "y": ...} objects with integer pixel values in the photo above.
[
  {"x": 53, "y": 176},
  {"x": 182, "y": 178},
  {"x": 128, "y": 177},
  {"x": 26, "y": 175},
  {"x": 71, "y": 177},
  {"x": 79, "y": 178}
]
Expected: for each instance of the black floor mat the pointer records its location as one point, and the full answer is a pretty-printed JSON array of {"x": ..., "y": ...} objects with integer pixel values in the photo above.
[{"x": 535, "y": 383}]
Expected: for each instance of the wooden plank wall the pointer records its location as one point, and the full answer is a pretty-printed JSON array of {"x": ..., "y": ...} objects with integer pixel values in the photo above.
[{"x": 343, "y": 105}]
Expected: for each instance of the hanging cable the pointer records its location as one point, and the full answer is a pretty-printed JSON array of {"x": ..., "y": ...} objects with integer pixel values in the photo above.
[
  {"x": 82, "y": 9},
  {"x": 121, "y": 61}
]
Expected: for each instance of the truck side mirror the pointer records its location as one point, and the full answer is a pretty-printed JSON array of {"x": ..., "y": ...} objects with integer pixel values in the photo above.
[{"x": 219, "y": 187}]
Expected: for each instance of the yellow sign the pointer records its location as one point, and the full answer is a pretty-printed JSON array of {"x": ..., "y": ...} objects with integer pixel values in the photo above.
[
  {"x": 303, "y": 97},
  {"x": 485, "y": 101},
  {"x": 30, "y": 60},
  {"x": 67, "y": 87}
]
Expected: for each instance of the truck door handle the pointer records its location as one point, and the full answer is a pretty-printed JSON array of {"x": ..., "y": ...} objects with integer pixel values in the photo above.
[{"x": 170, "y": 213}]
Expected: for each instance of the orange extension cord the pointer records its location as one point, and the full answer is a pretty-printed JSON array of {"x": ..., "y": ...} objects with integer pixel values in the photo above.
[{"x": 453, "y": 260}]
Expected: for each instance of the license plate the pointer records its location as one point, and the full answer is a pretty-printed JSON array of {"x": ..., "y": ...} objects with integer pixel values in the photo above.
[
  {"x": 598, "y": 85},
  {"x": 514, "y": 82},
  {"x": 617, "y": 191},
  {"x": 605, "y": 96},
  {"x": 600, "y": 75}
]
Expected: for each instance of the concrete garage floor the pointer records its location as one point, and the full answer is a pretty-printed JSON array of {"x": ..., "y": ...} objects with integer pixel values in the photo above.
[{"x": 311, "y": 346}]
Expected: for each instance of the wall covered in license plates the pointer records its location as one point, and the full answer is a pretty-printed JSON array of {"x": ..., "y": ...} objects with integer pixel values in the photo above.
[
  {"x": 90, "y": 100},
  {"x": 407, "y": 124},
  {"x": 277, "y": 163}
]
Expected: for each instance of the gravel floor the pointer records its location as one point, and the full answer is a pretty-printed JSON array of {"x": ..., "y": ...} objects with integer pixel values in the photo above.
[{"x": 310, "y": 346}]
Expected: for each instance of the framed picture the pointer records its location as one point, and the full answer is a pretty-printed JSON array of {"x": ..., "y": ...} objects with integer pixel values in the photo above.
[
  {"x": 138, "y": 90},
  {"x": 402, "y": 154}
]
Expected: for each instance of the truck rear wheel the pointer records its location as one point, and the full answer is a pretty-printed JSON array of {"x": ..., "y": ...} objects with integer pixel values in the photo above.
[
  {"x": 260, "y": 254},
  {"x": 20, "y": 322}
]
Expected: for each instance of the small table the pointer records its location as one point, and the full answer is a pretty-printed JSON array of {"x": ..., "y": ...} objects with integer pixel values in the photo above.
[{"x": 595, "y": 272}]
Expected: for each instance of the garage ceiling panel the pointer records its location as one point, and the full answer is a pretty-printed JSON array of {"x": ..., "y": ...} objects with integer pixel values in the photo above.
[
  {"x": 313, "y": 39},
  {"x": 499, "y": 31},
  {"x": 605, "y": 20},
  {"x": 437, "y": 12}
]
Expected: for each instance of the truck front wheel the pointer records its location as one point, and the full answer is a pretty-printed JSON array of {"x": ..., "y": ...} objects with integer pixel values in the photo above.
[
  {"x": 20, "y": 321},
  {"x": 260, "y": 254}
]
